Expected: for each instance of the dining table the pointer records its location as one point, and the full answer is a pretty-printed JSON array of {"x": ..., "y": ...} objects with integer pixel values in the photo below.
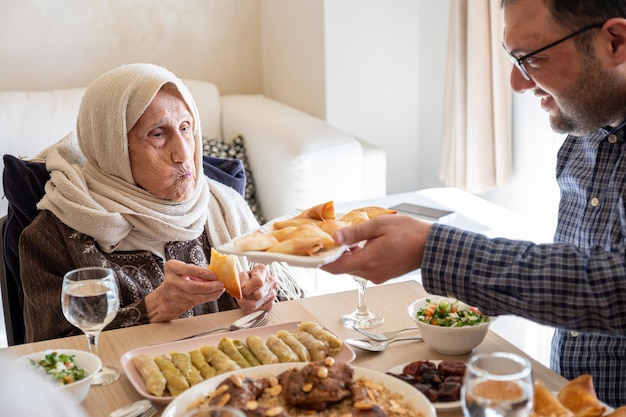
[{"x": 391, "y": 300}]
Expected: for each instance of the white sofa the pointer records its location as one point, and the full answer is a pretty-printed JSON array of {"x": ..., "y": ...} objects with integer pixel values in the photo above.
[{"x": 297, "y": 160}]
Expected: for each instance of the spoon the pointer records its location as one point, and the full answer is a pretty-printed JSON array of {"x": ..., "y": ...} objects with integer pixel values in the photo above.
[
  {"x": 376, "y": 346},
  {"x": 141, "y": 408},
  {"x": 256, "y": 319}
]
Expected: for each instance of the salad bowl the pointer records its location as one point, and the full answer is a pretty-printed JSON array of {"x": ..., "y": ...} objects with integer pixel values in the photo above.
[
  {"x": 75, "y": 389},
  {"x": 461, "y": 329}
]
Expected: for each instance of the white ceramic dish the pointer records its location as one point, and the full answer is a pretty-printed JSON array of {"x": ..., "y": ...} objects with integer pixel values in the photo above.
[
  {"x": 177, "y": 407},
  {"x": 439, "y": 406},
  {"x": 346, "y": 354},
  {"x": 89, "y": 362},
  {"x": 314, "y": 261},
  {"x": 448, "y": 340}
]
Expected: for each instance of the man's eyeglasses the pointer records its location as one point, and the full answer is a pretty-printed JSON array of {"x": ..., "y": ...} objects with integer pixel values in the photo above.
[{"x": 519, "y": 62}]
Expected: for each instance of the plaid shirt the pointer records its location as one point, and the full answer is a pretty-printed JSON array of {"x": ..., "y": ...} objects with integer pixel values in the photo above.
[{"x": 577, "y": 284}]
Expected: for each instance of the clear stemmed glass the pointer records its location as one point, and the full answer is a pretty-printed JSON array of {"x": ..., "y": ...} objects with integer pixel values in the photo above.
[
  {"x": 498, "y": 385},
  {"x": 362, "y": 317},
  {"x": 90, "y": 300}
]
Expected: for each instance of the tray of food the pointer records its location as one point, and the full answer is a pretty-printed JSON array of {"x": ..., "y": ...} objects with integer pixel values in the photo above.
[
  {"x": 321, "y": 388},
  {"x": 302, "y": 238},
  {"x": 161, "y": 372}
]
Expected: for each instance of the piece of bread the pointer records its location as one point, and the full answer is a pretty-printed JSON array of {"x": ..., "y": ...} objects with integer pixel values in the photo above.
[
  {"x": 579, "y": 396},
  {"x": 225, "y": 267},
  {"x": 546, "y": 403}
]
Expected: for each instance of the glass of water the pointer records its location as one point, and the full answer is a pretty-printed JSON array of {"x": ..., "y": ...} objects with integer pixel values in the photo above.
[
  {"x": 90, "y": 300},
  {"x": 498, "y": 385}
]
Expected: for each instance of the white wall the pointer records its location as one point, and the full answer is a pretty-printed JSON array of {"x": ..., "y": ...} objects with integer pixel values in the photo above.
[
  {"x": 53, "y": 44},
  {"x": 358, "y": 67},
  {"x": 292, "y": 34},
  {"x": 372, "y": 87}
]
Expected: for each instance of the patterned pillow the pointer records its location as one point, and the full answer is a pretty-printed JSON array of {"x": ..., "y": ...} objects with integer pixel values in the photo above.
[{"x": 236, "y": 149}]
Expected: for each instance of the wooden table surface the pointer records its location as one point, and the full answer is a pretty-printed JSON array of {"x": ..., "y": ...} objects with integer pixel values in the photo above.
[{"x": 390, "y": 300}]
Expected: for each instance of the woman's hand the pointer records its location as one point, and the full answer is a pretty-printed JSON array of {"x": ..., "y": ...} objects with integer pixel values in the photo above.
[
  {"x": 258, "y": 287},
  {"x": 184, "y": 286}
]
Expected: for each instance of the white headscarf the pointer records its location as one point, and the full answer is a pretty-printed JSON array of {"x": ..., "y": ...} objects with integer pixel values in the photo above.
[
  {"x": 101, "y": 198},
  {"x": 92, "y": 190}
]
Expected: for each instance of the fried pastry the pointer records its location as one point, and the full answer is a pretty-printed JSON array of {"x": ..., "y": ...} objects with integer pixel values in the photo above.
[
  {"x": 311, "y": 231},
  {"x": 225, "y": 267},
  {"x": 546, "y": 403},
  {"x": 580, "y": 397},
  {"x": 355, "y": 217},
  {"x": 257, "y": 241},
  {"x": 332, "y": 225},
  {"x": 280, "y": 234},
  {"x": 322, "y": 211},
  {"x": 299, "y": 246},
  {"x": 294, "y": 221},
  {"x": 375, "y": 211}
]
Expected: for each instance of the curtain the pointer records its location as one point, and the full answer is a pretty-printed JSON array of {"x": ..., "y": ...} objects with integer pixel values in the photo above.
[{"x": 476, "y": 153}]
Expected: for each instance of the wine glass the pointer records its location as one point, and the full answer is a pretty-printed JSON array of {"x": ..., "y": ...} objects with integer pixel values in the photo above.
[
  {"x": 498, "y": 385},
  {"x": 90, "y": 300},
  {"x": 362, "y": 317}
]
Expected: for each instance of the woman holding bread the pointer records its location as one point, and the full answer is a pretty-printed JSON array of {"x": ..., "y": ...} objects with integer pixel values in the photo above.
[{"x": 127, "y": 191}]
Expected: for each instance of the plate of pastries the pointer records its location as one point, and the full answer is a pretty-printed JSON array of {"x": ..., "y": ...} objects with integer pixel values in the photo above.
[
  {"x": 302, "y": 238},
  {"x": 164, "y": 371}
]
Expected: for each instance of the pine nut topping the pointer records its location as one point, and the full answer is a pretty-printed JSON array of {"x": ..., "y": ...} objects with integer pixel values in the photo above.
[
  {"x": 274, "y": 411},
  {"x": 322, "y": 372}
]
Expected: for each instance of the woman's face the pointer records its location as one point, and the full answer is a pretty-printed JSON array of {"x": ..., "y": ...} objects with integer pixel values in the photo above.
[{"x": 162, "y": 148}]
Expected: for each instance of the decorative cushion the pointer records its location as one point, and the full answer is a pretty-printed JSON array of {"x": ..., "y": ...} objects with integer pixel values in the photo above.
[{"x": 236, "y": 149}]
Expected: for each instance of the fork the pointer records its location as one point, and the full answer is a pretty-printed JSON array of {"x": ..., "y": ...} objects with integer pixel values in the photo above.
[
  {"x": 149, "y": 412},
  {"x": 141, "y": 408},
  {"x": 381, "y": 337},
  {"x": 258, "y": 323}
]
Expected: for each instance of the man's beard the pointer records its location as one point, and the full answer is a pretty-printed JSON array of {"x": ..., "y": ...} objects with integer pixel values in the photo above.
[{"x": 596, "y": 100}]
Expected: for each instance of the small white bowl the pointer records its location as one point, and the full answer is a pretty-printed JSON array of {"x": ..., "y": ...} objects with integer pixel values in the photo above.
[
  {"x": 77, "y": 390},
  {"x": 448, "y": 340}
]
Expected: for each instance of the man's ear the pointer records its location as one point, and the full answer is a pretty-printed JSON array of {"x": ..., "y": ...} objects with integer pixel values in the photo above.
[{"x": 615, "y": 32}]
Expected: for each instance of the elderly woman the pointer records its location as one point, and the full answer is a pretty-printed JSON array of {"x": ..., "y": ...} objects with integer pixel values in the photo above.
[{"x": 127, "y": 191}]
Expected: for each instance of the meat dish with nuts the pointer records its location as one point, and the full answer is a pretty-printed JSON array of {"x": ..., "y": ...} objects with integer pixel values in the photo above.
[{"x": 321, "y": 388}]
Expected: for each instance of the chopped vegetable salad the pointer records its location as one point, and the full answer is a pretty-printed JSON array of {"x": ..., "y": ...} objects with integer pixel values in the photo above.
[
  {"x": 450, "y": 314},
  {"x": 60, "y": 368}
]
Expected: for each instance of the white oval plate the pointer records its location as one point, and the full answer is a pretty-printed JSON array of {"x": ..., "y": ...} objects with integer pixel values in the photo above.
[
  {"x": 439, "y": 406},
  {"x": 323, "y": 257},
  {"x": 177, "y": 407}
]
